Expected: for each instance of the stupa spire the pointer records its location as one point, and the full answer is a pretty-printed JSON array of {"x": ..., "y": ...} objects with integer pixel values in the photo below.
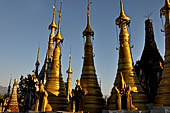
[
  {"x": 148, "y": 68},
  {"x": 94, "y": 101},
  {"x": 46, "y": 66},
  {"x": 37, "y": 63},
  {"x": 162, "y": 98},
  {"x": 55, "y": 85},
  {"x": 122, "y": 16},
  {"x": 69, "y": 71},
  {"x": 122, "y": 13},
  {"x": 58, "y": 35},
  {"x": 53, "y": 25},
  {"x": 88, "y": 29},
  {"x": 49, "y": 55},
  {"x": 13, "y": 103},
  {"x": 131, "y": 95}
]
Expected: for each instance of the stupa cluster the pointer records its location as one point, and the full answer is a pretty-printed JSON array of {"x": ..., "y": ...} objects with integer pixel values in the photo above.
[{"x": 143, "y": 86}]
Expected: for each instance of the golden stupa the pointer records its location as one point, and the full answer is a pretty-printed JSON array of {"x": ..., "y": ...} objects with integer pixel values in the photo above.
[
  {"x": 163, "y": 94},
  {"x": 69, "y": 71},
  {"x": 45, "y": 71},
  {"x": 13, "y": 103},
  {"x": 127, "y": 94},
  {"x": 93, "y": 98},
  {"x": 55, "y": 85}
]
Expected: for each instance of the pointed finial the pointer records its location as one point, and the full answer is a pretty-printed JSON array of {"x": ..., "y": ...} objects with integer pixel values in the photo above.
[
  {"x": 37, "y": 62},
  {"x": 58, "y": 36},
  {"x": 88, "y": 15},
  {"x": 69, "y": 69},
  {"x": 46, "y": 59},
  {"x": 9, "y": 87},
  {"x": 122, "y": 18},
  {"x": 122, "y": 13},
  {"x": 53, "y": 25},
  {"x": 88, "y": 29}
]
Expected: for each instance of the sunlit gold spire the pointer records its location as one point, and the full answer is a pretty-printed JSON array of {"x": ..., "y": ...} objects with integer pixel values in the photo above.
[
  {"x": 162, "y": 98},
  {"x": 122, "y": 16},
  {"x": 58, "y": 36},
  {"x": 69, "y": 69},
  {"x": 55, "y": 85},
  {"x": 53, "y": 25},
  {"x": 49, "y": 55},
  {"x": 133, "y": 101},
  {"x": 93, "y": 101},
  {"x": 88, "y": 29}
]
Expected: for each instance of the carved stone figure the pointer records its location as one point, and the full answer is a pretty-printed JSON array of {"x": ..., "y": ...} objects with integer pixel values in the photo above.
[
  {"x": 78, "y": 97},
  {"x": 118, "y": 99},
  {"x": 42, "y": 100},
  {"x": 130, "y": 106},
  {"x": 123, "y": 95}
]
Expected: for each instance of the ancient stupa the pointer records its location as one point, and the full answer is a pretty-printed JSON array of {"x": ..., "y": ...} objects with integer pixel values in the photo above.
[
  {"x": 93, "y": 98},
  {"x": 127, "y": 94},
  {"x": 55, "y": 85}
]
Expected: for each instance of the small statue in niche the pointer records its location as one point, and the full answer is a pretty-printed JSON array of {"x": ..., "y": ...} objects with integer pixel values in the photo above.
[{"x": 123, "y": 94}]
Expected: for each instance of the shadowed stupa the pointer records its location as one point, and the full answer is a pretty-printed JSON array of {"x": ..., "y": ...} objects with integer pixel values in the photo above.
[{"x": 93, "y": 98}]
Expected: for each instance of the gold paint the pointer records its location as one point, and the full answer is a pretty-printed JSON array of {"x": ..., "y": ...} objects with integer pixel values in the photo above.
[
  {"x": 53, "y": 25},
  {"x": 69, "y": 71},
  {"x": 45, "y": 71},
  {"x": 58, "y": 36},
  {"x": 93, "y": 98},
  {"x": 13, "y": 103},
  {"x": 45, "y": 106},
  {"x": 125, "y": 69},
  {"x": 78, "y": 83},
  {"x": 124, "y": 96},
  {"x": 163, "y": 98},
  {"x": 55, "y": 85}
]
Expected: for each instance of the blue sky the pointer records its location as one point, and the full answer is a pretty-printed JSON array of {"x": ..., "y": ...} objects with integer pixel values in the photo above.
[{"x": 24, "y": 24}]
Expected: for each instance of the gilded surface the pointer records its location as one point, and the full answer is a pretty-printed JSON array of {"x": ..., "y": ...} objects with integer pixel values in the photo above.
[
  {"x": 42, "y": 100},
  {"x": 45, "y": 71},
  {"x": 55, "y": 85},
  {"x": 93, "y": 101},
  {"x": 69, "y": 71},
  {"x": 13, "y": 103},
  {"x": 163, "y": 98},
  {"x": 125, "y": 66}
]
